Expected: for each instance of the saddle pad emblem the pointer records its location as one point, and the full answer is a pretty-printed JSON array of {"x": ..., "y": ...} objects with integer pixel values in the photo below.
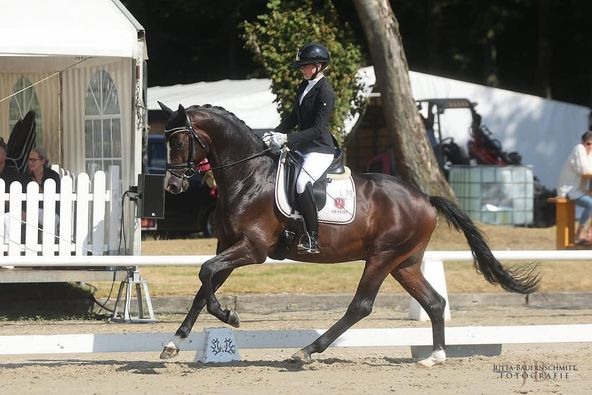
[{"x": 341, "y": 198}]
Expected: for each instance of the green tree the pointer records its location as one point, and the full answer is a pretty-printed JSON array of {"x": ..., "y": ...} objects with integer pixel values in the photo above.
[{"x": 275, "y": 38}]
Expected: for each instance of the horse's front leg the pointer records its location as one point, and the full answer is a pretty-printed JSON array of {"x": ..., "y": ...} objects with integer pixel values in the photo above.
[
  {"x": 240, "y": 254},
  {"x": 172, "y": 348}
]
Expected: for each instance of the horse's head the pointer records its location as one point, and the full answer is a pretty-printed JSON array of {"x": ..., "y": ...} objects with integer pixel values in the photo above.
[{"x": 186, "y": 149}]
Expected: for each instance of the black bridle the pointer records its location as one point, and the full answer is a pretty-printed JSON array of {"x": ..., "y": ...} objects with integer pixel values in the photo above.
[{"x": 189, "y": 168}]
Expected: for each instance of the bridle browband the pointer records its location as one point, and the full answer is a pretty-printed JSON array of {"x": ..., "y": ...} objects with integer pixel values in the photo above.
[{"x": 189, "y": 168}]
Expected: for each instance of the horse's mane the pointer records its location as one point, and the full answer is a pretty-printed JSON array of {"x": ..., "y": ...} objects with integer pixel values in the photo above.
[{"x": 224, "y": 113}]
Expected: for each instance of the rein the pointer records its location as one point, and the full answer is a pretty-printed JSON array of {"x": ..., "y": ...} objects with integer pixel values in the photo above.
[
  {"x": 241, "y": 161},
  {"x": 189, "y": 167}
]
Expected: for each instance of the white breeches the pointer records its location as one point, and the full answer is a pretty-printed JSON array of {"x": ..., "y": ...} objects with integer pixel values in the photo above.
[{"x": 313, "y": 167}]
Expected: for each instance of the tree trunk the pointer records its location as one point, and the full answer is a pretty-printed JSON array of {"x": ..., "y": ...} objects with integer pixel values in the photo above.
[{"x": 414, "y": 156}]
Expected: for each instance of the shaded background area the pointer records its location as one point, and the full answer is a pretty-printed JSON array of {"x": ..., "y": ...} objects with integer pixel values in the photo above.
[
  {"x": 540, "y": 47},
  {"x": 43, "y": 301}
]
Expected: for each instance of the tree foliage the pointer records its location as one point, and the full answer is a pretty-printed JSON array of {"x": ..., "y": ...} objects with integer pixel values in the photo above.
[
  {"x": 530, "y": 46},
  {"x": 274, "y": 39}
]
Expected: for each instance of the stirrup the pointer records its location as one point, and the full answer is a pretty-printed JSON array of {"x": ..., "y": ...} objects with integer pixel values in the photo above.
[{"x": 308, "y": 245}]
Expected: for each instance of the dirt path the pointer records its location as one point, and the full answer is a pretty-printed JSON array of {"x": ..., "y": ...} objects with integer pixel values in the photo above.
[{"x": 566, "y": 368}]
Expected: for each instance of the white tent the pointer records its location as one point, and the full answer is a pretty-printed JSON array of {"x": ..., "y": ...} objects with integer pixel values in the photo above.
[
  {"x": 251, "y": 100},
  {"x": 542, "y": 131},
  {"x": 80, "y": 66}
]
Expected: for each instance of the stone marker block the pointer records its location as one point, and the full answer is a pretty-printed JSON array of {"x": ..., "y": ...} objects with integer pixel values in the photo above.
[{"x": 220, "y": 346}]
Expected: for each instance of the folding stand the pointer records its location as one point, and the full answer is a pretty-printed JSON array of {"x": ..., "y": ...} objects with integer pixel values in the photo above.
[{"x": 133, "y": 278}]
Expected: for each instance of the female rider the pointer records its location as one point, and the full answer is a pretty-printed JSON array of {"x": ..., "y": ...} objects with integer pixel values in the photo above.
[{"x": 312, "y": 113}]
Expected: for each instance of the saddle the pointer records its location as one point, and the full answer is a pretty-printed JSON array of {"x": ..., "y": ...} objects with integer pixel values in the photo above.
[
  {"x": 336, "y": 186},
  {"x": 336, "y": 170},
  {"x": 334, "y": 192}
]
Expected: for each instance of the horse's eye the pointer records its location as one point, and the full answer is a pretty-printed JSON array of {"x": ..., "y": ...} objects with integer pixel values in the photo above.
[{"x": 176, "y": 144}]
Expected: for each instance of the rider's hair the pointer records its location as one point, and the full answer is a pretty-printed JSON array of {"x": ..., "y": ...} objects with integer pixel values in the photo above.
[
  {"x": 587, "y": 136},
  {"x": 42, "y": 155}
]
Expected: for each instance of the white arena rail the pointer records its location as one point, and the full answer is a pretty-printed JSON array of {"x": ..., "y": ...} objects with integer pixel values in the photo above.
[
  {"x": 196, "y": 260},
  {"x": 456, "y": 337},
  {"x": 432, "y": 265},
  {"x": 480, "y": 337}
]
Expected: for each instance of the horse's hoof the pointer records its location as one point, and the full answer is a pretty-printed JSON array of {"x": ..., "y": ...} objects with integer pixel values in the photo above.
[
  {"x": 233, "y": 319},
  {"x": 437, "y": 358},
  {"x": 301, "y": 356},
  {"x": 169, "y": 351}
]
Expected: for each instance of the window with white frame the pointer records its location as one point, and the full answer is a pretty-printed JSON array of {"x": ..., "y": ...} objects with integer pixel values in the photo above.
[
  {"x": 102, "y": 124},
  {"x": 25, "y": 100}
]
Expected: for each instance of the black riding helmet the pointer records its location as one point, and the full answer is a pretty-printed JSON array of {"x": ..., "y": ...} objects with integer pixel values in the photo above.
[{"x": 312, "y": 53}]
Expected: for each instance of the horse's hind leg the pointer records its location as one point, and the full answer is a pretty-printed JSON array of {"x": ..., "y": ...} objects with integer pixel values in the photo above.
[
  {"x": 411, "y": 278},
  {"x": 171, "y": 349},
  {"x": 361, "y": 306}
]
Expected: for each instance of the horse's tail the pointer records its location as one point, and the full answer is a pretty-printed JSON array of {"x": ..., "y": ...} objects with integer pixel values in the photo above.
[{"x": 522, "y": 280}]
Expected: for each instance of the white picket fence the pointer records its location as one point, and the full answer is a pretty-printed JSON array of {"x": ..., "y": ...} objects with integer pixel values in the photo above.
[{"x": 87, "y": 224}]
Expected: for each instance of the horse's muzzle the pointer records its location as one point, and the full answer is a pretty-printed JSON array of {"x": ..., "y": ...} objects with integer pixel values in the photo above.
[{"x": 177, "y": 186}]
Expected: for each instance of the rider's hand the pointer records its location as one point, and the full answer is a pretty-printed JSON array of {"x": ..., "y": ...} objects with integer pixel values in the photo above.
[{"x": 275, "y": 138}]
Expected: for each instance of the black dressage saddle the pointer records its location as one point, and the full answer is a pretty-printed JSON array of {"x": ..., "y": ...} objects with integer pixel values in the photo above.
[{"x": 293, "y": 169}]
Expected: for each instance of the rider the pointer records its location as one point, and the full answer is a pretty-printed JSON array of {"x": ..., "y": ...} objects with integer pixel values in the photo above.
[{"x": 313, "y": 140}]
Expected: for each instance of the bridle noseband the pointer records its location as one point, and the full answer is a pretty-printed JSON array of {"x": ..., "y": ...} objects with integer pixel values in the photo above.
[{"x": 189, "y": 168}]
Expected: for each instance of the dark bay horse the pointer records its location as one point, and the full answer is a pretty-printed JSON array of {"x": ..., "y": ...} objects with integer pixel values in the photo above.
[{"x": 391, "y": 230}]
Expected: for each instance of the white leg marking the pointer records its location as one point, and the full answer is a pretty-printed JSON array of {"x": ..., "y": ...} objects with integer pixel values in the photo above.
[
  {"x": 175, "y": 342},
  {"x": 437, "y": 358},
  {"x": 171, "y": 344}
]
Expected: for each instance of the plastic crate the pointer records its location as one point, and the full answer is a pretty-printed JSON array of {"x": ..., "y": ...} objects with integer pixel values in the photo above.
[{"x": 499, "y": 195}]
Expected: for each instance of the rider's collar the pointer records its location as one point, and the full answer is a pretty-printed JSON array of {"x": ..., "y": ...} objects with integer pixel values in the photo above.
[{"x": 313, "y": 81}]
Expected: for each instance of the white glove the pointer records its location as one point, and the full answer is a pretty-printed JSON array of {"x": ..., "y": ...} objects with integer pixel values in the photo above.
[{"x": 275, "y": 138}]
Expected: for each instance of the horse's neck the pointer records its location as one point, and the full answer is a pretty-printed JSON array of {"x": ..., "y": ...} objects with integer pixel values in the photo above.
[
  {"x": 236, "y": 181},
  {"x": 230, "y": 146}
]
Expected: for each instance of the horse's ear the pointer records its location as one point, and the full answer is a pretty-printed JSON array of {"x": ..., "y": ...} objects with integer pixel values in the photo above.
[
  {"x": 181, "y": 109},
  {"x": 165, "y": 108}
]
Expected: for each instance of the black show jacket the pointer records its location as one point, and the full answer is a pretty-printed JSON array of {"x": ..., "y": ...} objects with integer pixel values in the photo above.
[{"x": 312, "y": 118}]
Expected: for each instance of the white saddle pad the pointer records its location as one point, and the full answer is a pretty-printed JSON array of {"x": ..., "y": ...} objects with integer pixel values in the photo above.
[{"x": 340, "y": 207}]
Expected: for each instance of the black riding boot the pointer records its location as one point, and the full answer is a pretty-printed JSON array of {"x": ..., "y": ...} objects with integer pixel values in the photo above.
[{"x": 309, "y": 242}]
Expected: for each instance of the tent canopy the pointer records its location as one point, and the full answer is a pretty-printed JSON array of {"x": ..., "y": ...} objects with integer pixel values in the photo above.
[
  {"x": 68, "y": 28},
  {"x": 79, "y": 65}
]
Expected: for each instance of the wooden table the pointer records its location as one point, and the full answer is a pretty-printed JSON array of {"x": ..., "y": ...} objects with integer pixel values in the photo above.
[{"x": 565, "y": 217}]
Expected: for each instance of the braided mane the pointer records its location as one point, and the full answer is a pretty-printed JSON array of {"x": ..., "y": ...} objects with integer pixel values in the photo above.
[{"x": 220, "y": 111}]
